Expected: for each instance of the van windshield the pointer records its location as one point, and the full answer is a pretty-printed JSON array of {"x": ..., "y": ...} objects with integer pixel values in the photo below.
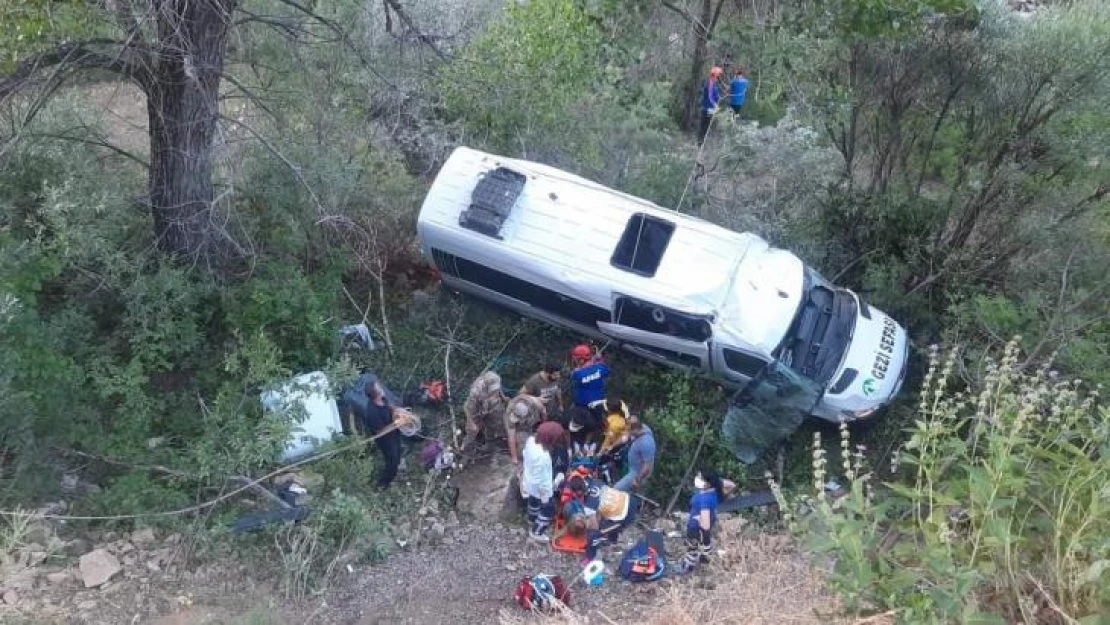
[{"x": 821, "y": 330}]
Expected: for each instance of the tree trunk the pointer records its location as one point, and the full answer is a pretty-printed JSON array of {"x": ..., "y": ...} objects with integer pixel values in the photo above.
[
  {"x": 183, "y": 110},
  {"x": 690, "y": 109}
]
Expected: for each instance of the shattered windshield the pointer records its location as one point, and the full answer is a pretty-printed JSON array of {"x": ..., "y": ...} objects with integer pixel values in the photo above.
[
  {"x": 821, "y": 331},
  {"x": 768, "y": 410}
]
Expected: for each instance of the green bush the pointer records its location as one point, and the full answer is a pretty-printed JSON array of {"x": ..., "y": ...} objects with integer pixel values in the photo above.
[{"x": 1000, "y": 513}]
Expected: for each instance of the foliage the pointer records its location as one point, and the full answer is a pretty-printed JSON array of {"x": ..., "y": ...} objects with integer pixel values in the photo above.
[
  {"x": 524, "y": 73},
  {"x": 999, "y": 513}
]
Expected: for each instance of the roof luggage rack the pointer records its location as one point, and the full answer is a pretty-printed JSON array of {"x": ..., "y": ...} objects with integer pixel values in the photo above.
[{"x": 492, "y": 201}]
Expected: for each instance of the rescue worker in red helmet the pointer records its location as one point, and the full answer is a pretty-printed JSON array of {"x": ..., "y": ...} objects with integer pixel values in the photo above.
[{"x": 589, "y": 378}]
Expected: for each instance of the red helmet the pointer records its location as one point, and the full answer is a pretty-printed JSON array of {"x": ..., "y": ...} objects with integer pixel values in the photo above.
[{"x": 581, "y": 352}]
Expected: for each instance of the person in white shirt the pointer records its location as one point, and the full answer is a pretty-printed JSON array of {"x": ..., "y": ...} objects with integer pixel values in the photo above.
[{"x": 537, "y": 480}]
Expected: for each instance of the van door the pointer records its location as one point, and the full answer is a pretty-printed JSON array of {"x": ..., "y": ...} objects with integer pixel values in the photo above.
[
  {"x": 659, "y": 347},
  {"x": 768, "y": 410},
  {"x": 736, "y": 364}
]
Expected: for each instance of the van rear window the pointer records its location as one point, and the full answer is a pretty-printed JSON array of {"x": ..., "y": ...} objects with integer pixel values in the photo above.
[{"x": 642, "y": 245}]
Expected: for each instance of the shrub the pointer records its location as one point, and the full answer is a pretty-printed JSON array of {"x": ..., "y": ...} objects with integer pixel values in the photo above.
[{"x": 1001, "y": 514}]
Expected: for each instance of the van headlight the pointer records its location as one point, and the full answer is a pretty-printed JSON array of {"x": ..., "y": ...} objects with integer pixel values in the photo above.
[{"x": 852, "y": 415}]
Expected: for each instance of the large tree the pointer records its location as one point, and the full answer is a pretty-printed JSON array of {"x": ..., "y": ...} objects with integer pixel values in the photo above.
[{"x": 173, "y": 50}]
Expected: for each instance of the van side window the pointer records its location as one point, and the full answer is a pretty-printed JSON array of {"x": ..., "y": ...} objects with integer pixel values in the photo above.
[
  {"x": 649, "y": 317},
  {"x": 545, "y": 299},
  {"x": 642, "y": 245},
  {"x": 744, "y": 364}
]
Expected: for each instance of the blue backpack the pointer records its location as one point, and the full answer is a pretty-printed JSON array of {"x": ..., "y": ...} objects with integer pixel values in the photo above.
[{"x": 646, "y": 561}]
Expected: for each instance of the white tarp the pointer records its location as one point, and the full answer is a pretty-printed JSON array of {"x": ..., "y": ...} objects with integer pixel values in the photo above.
[{"x": 321, "y": 420}]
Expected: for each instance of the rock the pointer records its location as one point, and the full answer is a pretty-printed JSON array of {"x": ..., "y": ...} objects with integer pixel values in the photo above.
[
  {"x": 172, "y": 539},
  {"x": 122, "y": 547},
  {"x": 510, "y": 568},
  {"x": 666, "y": 525},
  {"x": 438, "y": 531},
  {"x": 141, "y": 537},
  {"x": 156, "y": 442},
  {"x": 86, "y": 605},
  {"x": 69, "y": 482},
  {"x": 36, "y": 558},
  {"x": 76, "y": 547},
  {"x": 59, "y": 577},
  {"x": 452, "y": 519},
  {"x": 97, "y": 567},
  {"x": 11, "y": 597}
]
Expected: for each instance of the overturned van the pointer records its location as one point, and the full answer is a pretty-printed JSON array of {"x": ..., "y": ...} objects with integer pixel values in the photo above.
[{"x": 669, "y": 287}]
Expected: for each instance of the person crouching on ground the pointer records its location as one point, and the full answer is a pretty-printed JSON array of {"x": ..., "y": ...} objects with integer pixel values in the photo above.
[
  {"x": 709, "y": 491},
  {"x": 522, "y": 415},
  {"x": 537, "y": 478},
  {"x": 485, "y": 403}
]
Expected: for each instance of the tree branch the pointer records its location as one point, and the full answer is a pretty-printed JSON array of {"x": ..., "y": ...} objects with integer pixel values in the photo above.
[
  {"x": 81, "y": 55},
  {"x": 420, "y": 36}
]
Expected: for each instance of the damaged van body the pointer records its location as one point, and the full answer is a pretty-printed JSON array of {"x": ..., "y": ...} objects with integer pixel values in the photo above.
[{"x": 672, "y": 288}]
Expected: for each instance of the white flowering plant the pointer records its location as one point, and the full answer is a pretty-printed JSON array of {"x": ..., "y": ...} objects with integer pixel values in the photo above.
[{"x": 997, "y": 506}]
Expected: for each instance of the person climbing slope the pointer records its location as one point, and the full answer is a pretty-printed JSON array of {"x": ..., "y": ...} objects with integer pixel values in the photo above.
[
  {"x": 710, "y": 97},
  {"x": 737, "y": 90}
]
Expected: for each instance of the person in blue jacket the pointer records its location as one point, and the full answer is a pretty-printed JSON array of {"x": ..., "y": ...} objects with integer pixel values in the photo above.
[
  {"x": 710, "y": 97},
  {"x": 709, "y": 491},
  {"x": 737, "y": 89},
  {"x": 589, "y": 378}
]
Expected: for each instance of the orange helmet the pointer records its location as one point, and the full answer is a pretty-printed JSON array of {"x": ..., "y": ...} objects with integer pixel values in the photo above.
[
  {"x": 716, "y": 72},
  {"x": 581, "y": 352}
]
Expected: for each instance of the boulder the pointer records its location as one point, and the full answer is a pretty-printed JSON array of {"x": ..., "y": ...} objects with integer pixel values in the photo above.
[
  {"x": 11, "y": 597},
  {"x": 489, "y": 494},
  {"x": 97, "y": 567},
  {"x": 142, "y": 537}
]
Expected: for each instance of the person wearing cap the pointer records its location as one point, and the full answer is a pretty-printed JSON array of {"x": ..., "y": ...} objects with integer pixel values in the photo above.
[
  {"x": 589, "y": 377},
  {"x": 710, "y": 97},
  {"x": 545, "y": 385},
  {"x": 522, "y": 415},
  {"x": 537, "y": 478},
  {"x": 485, "y": 402}
]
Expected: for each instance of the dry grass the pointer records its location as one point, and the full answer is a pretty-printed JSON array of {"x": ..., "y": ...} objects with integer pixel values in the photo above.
[{"x": 754, "y": 580}]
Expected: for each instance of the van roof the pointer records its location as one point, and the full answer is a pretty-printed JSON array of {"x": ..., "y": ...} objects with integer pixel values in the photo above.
[{"x": 567, "y": 221}]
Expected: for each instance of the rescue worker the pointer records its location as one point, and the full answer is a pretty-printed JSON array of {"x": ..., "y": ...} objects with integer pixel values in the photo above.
[
  {"x": 641, "y": 457},
  {"x": 737, "y": 90},
  {"x": 537, "y": 479},
  {"x": 710, "y": 97},
  {"x": 522, "y": 415},
  {"x": 376, "y": 417},
  {"x": 589, "y": 377},
  {"x": 485, "y": 403},
  {"x": 709, "y": 491},
  {"x": 545, "y": 385}
]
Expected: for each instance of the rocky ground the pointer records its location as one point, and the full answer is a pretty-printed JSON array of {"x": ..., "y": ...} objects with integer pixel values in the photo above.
[{"x": 452, "y": 566}]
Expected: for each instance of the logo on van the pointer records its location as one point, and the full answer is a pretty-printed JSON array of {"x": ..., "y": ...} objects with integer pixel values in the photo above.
[{"x": 869, "y": 387}]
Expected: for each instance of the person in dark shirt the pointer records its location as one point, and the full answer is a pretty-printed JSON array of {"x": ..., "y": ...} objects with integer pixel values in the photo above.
[{"x": 377, "y": 416}]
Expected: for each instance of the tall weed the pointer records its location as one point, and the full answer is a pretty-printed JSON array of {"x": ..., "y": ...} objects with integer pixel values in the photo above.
[{"x": 1000, "y": 513}]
